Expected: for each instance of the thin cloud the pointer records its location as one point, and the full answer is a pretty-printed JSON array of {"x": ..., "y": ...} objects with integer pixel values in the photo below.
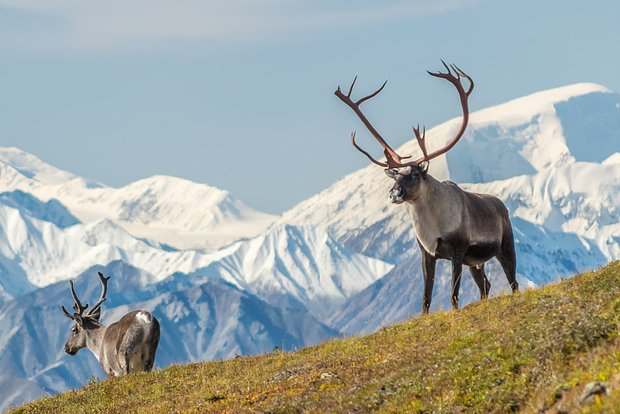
[{"x": 130, "y": 23}]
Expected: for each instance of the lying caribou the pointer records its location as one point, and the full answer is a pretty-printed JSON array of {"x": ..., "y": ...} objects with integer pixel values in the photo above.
[
  {"x": 450, "y": 223},
  {"x": 128, "y": 345}
]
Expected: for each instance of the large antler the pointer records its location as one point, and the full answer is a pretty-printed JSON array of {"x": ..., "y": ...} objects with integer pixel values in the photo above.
[
  {"x": 393, "y": 159},
  {"x": 79, "y": 308},
  {"x": 464, "y": 95}
]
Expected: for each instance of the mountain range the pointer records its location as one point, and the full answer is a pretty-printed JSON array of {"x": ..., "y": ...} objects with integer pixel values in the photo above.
[{"x": 225, "y": 279}]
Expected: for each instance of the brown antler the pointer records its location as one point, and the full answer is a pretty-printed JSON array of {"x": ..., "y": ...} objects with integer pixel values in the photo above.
[
  {"x": 79, "y": 309},
  {"x": 67, "y": 314},
  {"x": 77, "y": 305},
  {"x": 104, "y": 290},
  {"x": 421, "y": 140},
  {"x": 463, "y": 94},
  {"x": 393, "y": 159}
]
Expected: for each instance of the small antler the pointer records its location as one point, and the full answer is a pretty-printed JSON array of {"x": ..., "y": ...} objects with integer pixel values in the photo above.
[
  {"x": 421, "y": 139},
  {"x": 77, "y": 305},
  {"x": 104, "y": 290},
  {"x": 79, "y": 308}
]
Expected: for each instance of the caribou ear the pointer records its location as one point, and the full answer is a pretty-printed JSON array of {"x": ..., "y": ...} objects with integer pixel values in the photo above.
[
  {"x": 390, "y": 173},
  {"x": 96, "y": 315},
  {"x": 424, "y": 166},
  {"x": 78, "y": 318}
]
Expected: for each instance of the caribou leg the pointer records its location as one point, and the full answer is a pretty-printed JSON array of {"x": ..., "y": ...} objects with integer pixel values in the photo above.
[
  {"x": 457, "y": 270},
  {"x": 481, "y": 280},
  {"x": 428, "y": 269},
  {"x": 148, "y": 365},
  {"x": 508, "y": 259}
]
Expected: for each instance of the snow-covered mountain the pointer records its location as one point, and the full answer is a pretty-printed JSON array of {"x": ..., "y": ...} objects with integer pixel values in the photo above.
[
  {"x": 224, "y": 279},
  {"x": 170, "y": 210},
  {"x": 303, "y": 263}
]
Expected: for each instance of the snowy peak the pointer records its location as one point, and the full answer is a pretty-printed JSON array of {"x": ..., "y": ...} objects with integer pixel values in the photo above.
[
  {"x": 169, "y": 186},
  {"x": 520, "y": 110},
  {"x": 174, "y": 200},
  {"x": 31, "y": 167},
  {"x": 180, "y": 213},
  {"x": 170, "y": 210}
]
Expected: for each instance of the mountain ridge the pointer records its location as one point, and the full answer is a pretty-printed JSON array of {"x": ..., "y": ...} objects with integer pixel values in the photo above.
[{"x": 159, "y": 207}]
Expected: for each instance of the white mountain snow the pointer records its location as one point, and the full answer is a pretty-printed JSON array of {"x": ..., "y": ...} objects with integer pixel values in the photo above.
[
  {"x": 303, "y": 263},
  {"x": 170, "y": 210}
]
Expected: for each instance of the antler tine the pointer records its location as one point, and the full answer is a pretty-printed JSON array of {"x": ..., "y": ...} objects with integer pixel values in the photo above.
[
  {"x": 466, "y": 76},
  {"x": 351, "y": 87},
  {"x": 77, "y": 306},
  {"x": 104, "y": 290},
  {"x": 360, "y": 149},
  {"x": 421, "y": 139},
  {"x": 393, "y": 159},
  {"x": 464, "y": 95},
  {"x": 67, "y": 314},
  {"x": 372, "y": 95}
]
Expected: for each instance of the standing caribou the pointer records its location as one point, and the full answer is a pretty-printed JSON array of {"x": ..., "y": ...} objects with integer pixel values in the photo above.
[
  {"x": 450, "y": 223},
  {"x": 128, "y": 345}
]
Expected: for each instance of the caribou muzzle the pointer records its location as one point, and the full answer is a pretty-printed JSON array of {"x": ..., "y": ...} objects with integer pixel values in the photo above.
[
  {"x": 397, "y": 195},
  {"x": 69, "y": 351}
]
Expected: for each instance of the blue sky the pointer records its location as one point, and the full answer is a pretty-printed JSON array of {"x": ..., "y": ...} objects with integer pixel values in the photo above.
[{"x": 239, "y": 94}]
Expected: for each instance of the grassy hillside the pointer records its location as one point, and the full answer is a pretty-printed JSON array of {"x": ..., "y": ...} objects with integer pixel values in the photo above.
[{"x": 534, "y": 350}]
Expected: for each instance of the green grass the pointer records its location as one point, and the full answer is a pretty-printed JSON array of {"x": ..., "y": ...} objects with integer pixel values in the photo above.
[{"x": 515, "y": 353}]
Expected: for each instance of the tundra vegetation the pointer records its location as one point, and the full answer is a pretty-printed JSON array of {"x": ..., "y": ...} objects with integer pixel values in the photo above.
[{"x": 534, "y": 351}]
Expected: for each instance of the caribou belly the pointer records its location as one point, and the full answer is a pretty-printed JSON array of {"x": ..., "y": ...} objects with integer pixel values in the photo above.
[
  {"x": 479, "y": 253},
  {"x": 441, "y": 238}
]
